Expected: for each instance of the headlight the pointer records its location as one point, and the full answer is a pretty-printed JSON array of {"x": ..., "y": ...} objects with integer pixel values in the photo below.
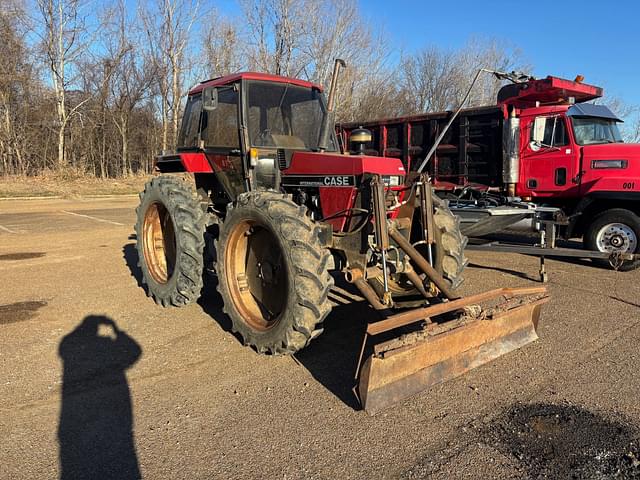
[
  {"x": 596, "y": 164},
  {"x": 393, "y": 180}
]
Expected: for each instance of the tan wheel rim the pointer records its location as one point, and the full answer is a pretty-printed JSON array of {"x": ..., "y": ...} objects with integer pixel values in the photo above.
[
  {"x": 255, "y": 270},
  {"x": 159, "y": 242}
]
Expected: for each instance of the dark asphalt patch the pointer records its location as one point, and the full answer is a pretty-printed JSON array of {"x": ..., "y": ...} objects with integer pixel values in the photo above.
[
  {"x": 21, "y": 256},
  {"x": 19, "y": 311},
  {"x": 542, "y": 440},
  {"x": 565, "y": 441}
]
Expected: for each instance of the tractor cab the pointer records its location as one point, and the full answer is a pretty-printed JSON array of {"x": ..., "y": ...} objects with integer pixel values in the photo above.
[
  {"x": 256, "y": 131},
  {"x": 245, "y": 128},
  {"x": 285, "y": 116}
]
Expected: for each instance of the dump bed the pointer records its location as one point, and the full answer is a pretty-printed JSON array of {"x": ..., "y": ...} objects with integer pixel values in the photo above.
[{"x": 470, "y": 152}]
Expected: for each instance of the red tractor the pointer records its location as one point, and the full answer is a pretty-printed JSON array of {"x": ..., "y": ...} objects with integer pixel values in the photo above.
[{"x": 273, "y": 208}]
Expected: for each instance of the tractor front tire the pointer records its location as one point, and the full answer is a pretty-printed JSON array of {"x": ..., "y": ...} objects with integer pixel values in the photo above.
[
  {"x": 170, "y": 240},
  {"x": 448, "y": 252},
  {"x": 450, "y": 243},
  {"x": 273, "y": 273}
]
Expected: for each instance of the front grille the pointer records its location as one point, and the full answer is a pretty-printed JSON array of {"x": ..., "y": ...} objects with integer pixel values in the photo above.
[{"x": 282, "y": 159}]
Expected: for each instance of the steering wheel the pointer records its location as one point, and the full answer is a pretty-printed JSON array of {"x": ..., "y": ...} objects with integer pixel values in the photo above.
[{"x": 263, "y": 137}]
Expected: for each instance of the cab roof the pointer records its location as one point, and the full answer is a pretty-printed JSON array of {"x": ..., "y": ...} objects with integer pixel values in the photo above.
[
  {"x": 547, "y": 91},
  {"x": 265, "y": 77}
]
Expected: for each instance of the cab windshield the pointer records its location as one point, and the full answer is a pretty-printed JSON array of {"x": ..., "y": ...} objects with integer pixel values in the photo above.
[
  {"x": 592, "y": 130},
  {"x": 281, "y": 115}
]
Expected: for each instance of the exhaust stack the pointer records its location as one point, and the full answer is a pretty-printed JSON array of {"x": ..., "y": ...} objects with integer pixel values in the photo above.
[
  {"x": 330, "y": 118},
  {"x": 511, "y": 153}
]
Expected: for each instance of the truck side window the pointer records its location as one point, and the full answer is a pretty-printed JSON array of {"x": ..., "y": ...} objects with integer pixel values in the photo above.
[
  {"x": 220, "y": 126},
  {"x": 555, "y": 132}
]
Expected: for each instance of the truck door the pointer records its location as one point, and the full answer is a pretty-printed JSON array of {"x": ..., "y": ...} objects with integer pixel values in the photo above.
[{"x": 550, "y": 159}]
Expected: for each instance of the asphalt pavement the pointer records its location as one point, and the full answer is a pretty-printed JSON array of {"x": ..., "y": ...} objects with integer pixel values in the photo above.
[{"x": 99, "y": 382}]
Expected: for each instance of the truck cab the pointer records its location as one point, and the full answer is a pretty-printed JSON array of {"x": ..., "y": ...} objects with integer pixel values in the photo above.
[
  {"x": 572, "y": 156},
  {"x": 566, "y": 151}
]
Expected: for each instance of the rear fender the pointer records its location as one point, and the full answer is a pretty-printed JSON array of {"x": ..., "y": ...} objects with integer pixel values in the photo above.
[
  {"x": 183, "y": 162},
  {"x": 215, "y": 172}
]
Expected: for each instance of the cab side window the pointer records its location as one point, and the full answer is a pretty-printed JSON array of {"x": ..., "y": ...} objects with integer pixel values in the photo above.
[
  {"x": 555, "y": 132},
  {"x": 220, "y": 126},
  {"x": 188, "y": 137}
]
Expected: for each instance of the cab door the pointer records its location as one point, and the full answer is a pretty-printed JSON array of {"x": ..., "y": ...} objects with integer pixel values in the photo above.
[
  {"x": 220, "y": 137},
  {"x": 550, "y": 158}
]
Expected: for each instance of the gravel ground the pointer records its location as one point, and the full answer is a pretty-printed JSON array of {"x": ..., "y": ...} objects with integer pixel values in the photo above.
[{"x": 99, "y": 380}]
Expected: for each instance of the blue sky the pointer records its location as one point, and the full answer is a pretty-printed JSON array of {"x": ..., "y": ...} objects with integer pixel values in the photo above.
[{"x": 598, "y": 39}]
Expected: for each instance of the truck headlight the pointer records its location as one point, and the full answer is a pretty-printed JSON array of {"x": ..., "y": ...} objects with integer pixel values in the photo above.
[{"x": 596, "y": 164}]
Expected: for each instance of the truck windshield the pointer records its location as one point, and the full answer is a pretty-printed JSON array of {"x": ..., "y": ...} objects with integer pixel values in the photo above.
[
  {"x": 591, "y": 130},
  {"x": 281, "y": 115}
]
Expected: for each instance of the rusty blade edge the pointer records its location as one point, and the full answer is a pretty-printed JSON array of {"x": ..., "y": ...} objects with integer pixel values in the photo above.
[
  {"x": 378, "y": 399},
  {"x": 447, "y": 349}
]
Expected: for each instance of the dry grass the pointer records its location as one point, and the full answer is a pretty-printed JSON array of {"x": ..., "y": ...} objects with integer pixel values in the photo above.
[{"x": 68, "y": 185}]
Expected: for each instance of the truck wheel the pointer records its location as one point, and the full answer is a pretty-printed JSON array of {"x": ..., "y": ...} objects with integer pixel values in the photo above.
[
  {"x": 170, "y": 240},
  {"x": 273, "y": 273},
  {"x": 615, "y": 230},
  {"x": 448, "y": 253}
]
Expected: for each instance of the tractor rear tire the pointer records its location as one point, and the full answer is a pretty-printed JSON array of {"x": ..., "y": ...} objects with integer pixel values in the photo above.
[
  {"x": 170, "y": 240},
  {"x": 616, "y": 225},
  {"x": 273, "y": 273}
]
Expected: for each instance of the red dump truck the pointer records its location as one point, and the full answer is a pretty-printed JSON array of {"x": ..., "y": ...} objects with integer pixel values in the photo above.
[{"x": 542, "y": 145}]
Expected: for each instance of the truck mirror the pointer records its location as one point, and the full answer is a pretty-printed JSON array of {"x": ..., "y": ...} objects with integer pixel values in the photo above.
[
  {"x": 539, "y": 125},
  {"x": 210, "y": 99}
]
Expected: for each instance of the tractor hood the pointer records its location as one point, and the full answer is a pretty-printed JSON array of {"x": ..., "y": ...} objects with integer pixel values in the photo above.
[
  {"x": 315, "y": 164},
  {"x": 337, "y": 178}
]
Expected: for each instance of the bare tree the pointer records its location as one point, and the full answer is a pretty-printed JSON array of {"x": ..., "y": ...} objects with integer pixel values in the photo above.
[
  {"x": 106, "y": 103},
  {"x": 275, "y": 34},
  {"x": 222, "y": 47},
  {"x": 14, "y": 76},
  {"x": 334, "y": 32},
  {"x": 429, "y": 79},
  {"x": 133, "y": 74},
  {"x": 63, "y": 36},
  {"x": 169, "y": 30},
  {"x": 434, "y": 79},
  {"x": 302, "y": 38}
]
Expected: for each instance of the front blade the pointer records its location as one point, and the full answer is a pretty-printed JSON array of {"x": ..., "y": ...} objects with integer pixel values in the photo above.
[{"x": 400, "y": 373}]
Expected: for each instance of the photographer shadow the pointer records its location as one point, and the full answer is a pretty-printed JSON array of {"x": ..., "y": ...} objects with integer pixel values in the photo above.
[{"x": 96, "y": 421}]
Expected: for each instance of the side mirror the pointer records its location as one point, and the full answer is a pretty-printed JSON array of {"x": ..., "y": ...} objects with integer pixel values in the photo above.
[
  {"x": 539, "y": 126},
  {"x": 210, "y": 99}
]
